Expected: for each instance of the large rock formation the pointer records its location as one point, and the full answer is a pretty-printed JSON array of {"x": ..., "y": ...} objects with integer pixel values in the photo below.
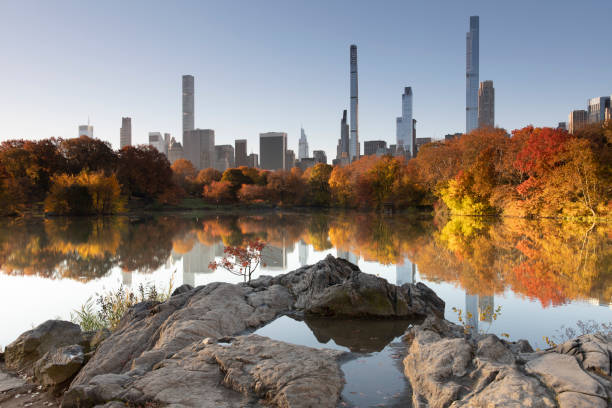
[
  {"x": 446, "y": 369},
  {"x": 161, "y": 343},
  {"x": 33, "y": 344}
]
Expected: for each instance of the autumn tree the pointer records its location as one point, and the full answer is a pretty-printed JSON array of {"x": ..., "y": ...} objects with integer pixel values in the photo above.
[
  {"x": 144, "y": 172},
  {"x": 86, "y": 153},
  {"x": 319, "y": 192},
  {"x": 241, "y": 260},
  {"x": 218, "y": 192}
]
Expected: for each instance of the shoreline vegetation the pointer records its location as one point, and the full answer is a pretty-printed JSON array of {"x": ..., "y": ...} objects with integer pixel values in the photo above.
[{"x": 532, "y": 173}]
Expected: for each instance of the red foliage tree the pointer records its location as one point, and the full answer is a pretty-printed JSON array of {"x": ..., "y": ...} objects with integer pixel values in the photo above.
[{"x": 241, "y": 260}]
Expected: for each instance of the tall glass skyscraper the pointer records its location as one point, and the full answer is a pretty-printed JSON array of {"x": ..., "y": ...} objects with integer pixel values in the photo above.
[
  {"x": 404, "y": 129},
  {"x": 472, "y": 80},
  {"x": 354, "y": 150},
  {"x": 188, "y": 89},
  {"x": 303, "y": 150}
]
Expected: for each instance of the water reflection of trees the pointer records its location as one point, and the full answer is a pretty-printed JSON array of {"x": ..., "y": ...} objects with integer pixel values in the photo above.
[{"x": 547, "y": 260}]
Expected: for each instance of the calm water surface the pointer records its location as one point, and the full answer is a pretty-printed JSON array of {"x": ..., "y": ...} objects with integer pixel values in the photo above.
[{"x": 544, "y": 274}]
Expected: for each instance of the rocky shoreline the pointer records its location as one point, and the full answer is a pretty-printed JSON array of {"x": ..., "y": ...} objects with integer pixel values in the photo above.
[{"x": 197, "y": 350}]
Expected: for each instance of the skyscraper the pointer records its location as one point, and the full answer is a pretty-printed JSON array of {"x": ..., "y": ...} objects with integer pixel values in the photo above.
[
  {"x": 354, "y": 150},
  {"x": 372, "y": 147},
  {"x": 342, "y": 151},
  {"x": 157, "y": 141},
  {"x": 253, "y": 160},
  {"x": 303, "y": 148},
  {"x": 240, "y": 146},
  {"x": 272, "y": 150},
  {"x": 404, "y": 125},
  {"x": 86, "y": 130},
  {"x": 224, "y": 157},
  {"x": 577, "y": 119},
  {"x": 175, "y": 151},
  {"x": 472, "y": 62},
  {"x": 597, "y": 109},
  {"x": 319, "y": 156},
  {"x": 125, "y": 133},
  {"x": 486, "y": 104},
  {"x": 289, "y": 159},
  {"x": 199, "y": 148},
  {"x": 188, "y": 105}
]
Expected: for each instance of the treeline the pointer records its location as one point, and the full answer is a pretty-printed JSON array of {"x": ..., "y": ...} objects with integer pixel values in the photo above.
[
  {"x": 532, "y": 172},
  {"x": 80, "y": 176}
]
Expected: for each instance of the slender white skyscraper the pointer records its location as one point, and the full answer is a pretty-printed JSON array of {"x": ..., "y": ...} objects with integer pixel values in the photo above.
[
  {"x": 404, "y": 124},
  {"x": 472, "y": 81},
  {"x": 354, "y": 150},
  {"x": 188, "y": 105},
  {"x": 303, "y": 150}
]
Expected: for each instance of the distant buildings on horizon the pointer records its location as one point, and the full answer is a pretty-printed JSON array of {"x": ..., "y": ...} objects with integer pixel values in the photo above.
[{"x": 198, "y": 145}]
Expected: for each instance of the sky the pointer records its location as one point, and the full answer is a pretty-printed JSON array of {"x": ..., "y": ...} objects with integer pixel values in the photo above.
[{"x": 264, "y": 66}]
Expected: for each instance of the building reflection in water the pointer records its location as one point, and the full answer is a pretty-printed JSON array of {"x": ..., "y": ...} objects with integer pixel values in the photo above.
[
  {"x": 405, "y": 272},
  {"x": 349, "y": 256},
  {"x": 126, "y": 278},
  {"x": 274, "y": 258},
  {"x": 475, "y": 308},
  {"x": 303, "y": 252}
]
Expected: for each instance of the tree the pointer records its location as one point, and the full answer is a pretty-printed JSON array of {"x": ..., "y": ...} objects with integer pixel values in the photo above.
[
  {"x": 219, "y": 192},
  {"x": 184, "y": 176},
  {"x": 252, "y": 193},
  {"x": 241, "y": 261},
  {"x": 86, "y": 153},
  {"x": 319, "y": 193},
  {"x": 207, "y": 176},
  {"x": 144, "y": 172},
  {"x": 236, "y": 178}
]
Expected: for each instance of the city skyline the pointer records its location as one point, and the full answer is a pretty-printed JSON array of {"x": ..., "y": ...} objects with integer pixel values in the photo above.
[{"x": 107, "y": 91}]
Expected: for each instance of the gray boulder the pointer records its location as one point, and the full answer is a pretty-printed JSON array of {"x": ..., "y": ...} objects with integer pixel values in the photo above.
[
  {"x": 255, "y": 371},
  {"x": 335, "y": 287},
  {"x": 447, "y": 369},
  {"x": 60, "y": 365},
  {"x": 33, "y": 344}
]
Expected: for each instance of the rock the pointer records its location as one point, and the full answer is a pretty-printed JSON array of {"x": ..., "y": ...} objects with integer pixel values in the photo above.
[
  {"x": 446, "y": 369},
  {"x": 335, "y": 287},
  {"x": 182, "y": 289},
  {"x": 98, "y": 338},
  {"x": 252, "y": 368},
  {"x": 10, "y": 382},
  {"x": 33, "y": 344},
  {"x": 563, "y": 374},
  {"x": 58, "y": 366},
  {"x": 150, "y": 356}
]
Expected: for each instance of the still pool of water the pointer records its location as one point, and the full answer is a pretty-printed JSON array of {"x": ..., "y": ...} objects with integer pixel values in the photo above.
[
  {"x": 373, "y": 369},
  {"x": 544, "y": 274}
]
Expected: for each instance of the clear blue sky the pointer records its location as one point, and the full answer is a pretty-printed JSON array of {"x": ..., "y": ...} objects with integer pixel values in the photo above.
[{"x": 272, "y": 65}]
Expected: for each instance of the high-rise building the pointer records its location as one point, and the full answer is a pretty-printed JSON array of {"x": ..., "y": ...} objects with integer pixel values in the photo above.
[
  {"x": 188, "y": 105},
  {"x": 157, "y": 141},
  {"x": 597, "y": 109},
  {"x": 420, "y": 141},
  {"x": 577, "y": 120},
  {"x": 342, "y": 151},
  {"x": 86, "y": 130},
  {"x": 125, "y": 133},
  {"x": 486, "y": 104},
  {"x": 175, "y": 151},
  {"x": 199, "y": 148},
  {"x": 272, "y": 150},
  {"x": 373, "y": 147},
  {"x": 253, "y": 160},
  {"x": 306, "y": 163},
  {"x": 404, "y": 125},
  {"x": 472, "y": 67},
  {"x": 562, "y": 125},
  {"x": 240, "y": 146},
  {"x": 452, "y": 136},
  {"x": 303, "y": 147},
  {"x": 224, "y": 157},
  {"x": 289, "y": 159},
  {"x": 319, "y": 156},
  {"x": 354, "y": 150}
]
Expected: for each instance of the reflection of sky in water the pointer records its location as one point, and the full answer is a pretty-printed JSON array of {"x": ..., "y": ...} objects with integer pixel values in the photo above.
[{"x": 26, "y": 301}]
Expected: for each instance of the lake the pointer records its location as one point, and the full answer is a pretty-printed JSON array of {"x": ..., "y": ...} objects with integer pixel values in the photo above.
[{"x": 544, "y": 274}]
